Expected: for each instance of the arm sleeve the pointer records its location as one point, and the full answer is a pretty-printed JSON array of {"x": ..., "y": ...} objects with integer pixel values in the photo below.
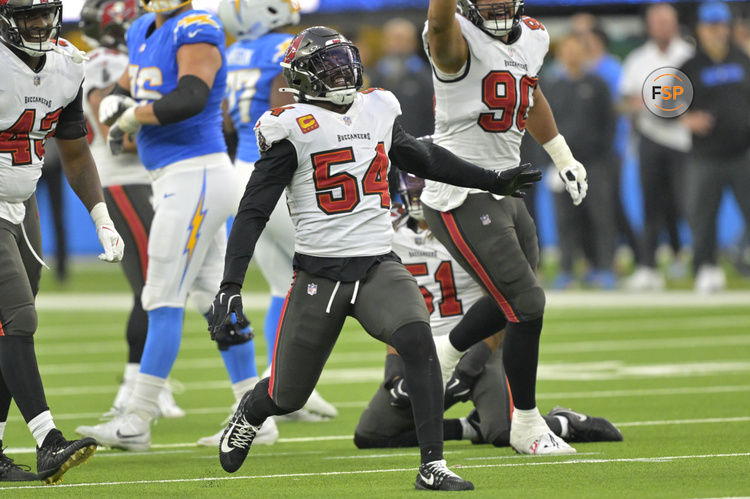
[
  {"x": 72, "y": 123},
  {"x": 185, "y": 101},
  {"x": 272, "y": 173},
  {"x": 428, "y": 160}
]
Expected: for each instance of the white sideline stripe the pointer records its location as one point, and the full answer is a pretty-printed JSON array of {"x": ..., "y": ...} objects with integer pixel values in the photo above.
[
  {"x": 363, "y": 403},
  {"x": 331, "y": 438},
  {"x": 655, "y": 459},
  {"x": 555, "y": 300}
]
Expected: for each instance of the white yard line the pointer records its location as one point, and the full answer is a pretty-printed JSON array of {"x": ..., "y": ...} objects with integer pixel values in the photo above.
[
  {"x": 565, "y": 300},
  {"x": 573, "y": 461},
  {"x": 332, "y": 438}
]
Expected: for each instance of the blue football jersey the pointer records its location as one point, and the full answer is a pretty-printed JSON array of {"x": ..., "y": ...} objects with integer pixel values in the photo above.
[
  {"x": 153, "y": 73},
  {"x": 252, "y": 65}
]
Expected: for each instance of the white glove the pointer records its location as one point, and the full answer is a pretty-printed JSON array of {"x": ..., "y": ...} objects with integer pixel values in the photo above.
[
  {"x": 108, "y": 236},
  {"x": 126, "y": 124},
  {"x": 571, "y": 171},
  {"x": 112, "y": 106}
]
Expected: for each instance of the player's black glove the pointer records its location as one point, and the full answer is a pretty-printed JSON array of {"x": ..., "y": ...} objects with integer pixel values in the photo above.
[
  {"x": 514, "y": 181},
  {"x": 458, "y": 389},
  {"x": 227, "y": 322},
  {"x": 398, "y": 396}
]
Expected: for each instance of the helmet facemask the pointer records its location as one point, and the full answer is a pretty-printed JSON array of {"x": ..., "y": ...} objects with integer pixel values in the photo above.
[
  {"x": 31, "y": 29},
  {"x": 410, "y": 188},
  {"x": 333, "y": 74},
  {"x": 496, "y": 18}
]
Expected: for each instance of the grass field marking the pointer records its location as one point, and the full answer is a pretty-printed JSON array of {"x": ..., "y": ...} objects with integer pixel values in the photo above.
[
  {"x": 740, "y": 419},
  {"x": 576, "y": 347},
  {"x": 619, "y": 325},
  {"x": 329, "y": 438},
  {"x": 555, "y": 300},
  {"x": 654, "y": 459},
  {"x": 523, "y": 456}
]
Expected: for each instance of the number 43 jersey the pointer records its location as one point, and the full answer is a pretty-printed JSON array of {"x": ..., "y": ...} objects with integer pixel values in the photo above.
[
  {"x": 338, "y": 197},
  {"x": 480, "y": 113},
  {"x": 30, "y": 106}
]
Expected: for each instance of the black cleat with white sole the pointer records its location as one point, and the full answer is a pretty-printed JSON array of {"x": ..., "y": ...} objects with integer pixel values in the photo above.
[
  {"x": 57, "y": 455},
  {"x": 583, "y": 428},
  {"x": 457, "y": 390},
  {"x": 435, "y": 475},
  {"x": 237, "y": 438},
  {"x": 12, "y": 472}
]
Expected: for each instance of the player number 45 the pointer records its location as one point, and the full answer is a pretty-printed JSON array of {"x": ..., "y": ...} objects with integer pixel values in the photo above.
[{"x": 344, "y": 185}]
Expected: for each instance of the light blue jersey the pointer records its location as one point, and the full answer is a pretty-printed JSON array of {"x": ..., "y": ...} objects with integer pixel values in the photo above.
[
  {"x": 153, "y": 73},
  {"x": 253, "y": 65}
]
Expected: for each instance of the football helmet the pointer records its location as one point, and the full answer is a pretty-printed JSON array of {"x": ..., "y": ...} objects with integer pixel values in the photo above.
[
  {"x": 30, "y": 25},
  {"x": 250, "y": 19},
  {"x": 105, "y": 22},
  {"x": 163, "y": 6},
  {"x": 410, "y": 188},
  {"x": 496, "y": 18},
  {"x": 322, "y": 65}
]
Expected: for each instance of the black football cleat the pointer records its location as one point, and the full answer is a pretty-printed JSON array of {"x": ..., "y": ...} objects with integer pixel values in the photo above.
[
  {"x": 456, "y": 390},
  {"x": 435, "y": 475},
  {"x": 12, "y": 472},
  {"x": 237, "y": 438},
  {"x": 398, "y": 395},
  {"x": 583, "y": 428},
  {"x": 57, "y": 455}
]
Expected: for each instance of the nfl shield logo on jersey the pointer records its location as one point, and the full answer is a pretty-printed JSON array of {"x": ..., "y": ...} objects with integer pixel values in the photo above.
[
  {"x": 347, "y": 121},
  {"x": 312, "y": 289},
  {"x": 485, "y": 219},
  {"x": 37, "y": 80}
]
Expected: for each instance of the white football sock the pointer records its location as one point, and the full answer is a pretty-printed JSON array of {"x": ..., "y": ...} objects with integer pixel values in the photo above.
[
  {"x": 131, "y": 372},
  {"x": 145, "y": 398},
  {"x": 468, "y": 431},
  {"x": 2, "y": 429},
  {"x": 242, "y": 387},
  {"x": 564, "y": 426},
  {"x": 40, "y": 426},
  {"x": 528, "y": 417}
]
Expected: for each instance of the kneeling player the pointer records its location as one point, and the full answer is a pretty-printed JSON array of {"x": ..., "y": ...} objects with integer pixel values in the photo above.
[
  {"x": 479, "y": 376},
  {"x": 332, "y": 151}
]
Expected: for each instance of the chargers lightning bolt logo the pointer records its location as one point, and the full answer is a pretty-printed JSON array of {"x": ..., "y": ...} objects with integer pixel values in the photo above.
[{"x": 194, "y": 228}]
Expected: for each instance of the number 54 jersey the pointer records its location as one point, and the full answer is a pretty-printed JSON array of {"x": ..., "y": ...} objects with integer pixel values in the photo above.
[
  {"x": 480, "y": 114},
  {"x": 338, "y": 197}
]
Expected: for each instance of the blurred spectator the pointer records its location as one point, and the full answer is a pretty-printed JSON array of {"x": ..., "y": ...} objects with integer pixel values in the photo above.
[
  {"x": 585, "y": 114},
  {"x": 719, "y": 119},
  {"x": 609, "y": 68},
  {"x": 52, "y": 176},
  {"x": 664, "y": 143},
  {"x": 742, "y": 34},
  {"x": 405, "y": 73}
]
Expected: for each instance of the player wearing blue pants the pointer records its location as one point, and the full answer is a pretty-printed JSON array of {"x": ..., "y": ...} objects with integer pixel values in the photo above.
[{"x": 177, "y": 79}]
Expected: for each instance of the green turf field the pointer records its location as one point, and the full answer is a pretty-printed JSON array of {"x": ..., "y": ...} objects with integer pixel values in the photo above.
[{"x": 675, "y": 380}]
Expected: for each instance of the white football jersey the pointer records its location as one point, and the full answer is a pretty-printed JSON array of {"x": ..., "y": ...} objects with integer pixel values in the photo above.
[
  {"x": 447, "y": 289},
  {"x": 338, "y": 197},
  {"x": 480, "y": 113},
  {"x": 103, "y": 69},
  {"x": 30, "y": 106}
]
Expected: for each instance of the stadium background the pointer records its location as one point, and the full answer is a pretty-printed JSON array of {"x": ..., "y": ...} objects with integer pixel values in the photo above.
[{"x": 621, "y": 20}]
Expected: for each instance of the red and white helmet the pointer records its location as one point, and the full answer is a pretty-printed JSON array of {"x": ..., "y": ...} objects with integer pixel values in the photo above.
[
  {"x": 30, "y": 25},
  {"x": 251, "y": 19}
]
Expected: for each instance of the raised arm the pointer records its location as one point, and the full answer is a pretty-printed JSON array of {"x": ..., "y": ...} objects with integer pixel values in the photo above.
[{"x": 448, "y": 48}]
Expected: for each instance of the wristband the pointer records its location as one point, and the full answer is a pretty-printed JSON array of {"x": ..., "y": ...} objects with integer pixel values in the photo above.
[
  {"x": 559, "y": 151},
  {"x": 100, "y": 215}
]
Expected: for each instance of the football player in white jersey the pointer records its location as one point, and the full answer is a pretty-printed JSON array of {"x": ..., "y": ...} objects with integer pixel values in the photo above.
[
  {"x": 332, "y": 151},
  {"x": 126, "y": 183},
  {"x": 479, "y": 376},
  {"x": 41, "y": 97},
  {"x": 486, "y": 56}
]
